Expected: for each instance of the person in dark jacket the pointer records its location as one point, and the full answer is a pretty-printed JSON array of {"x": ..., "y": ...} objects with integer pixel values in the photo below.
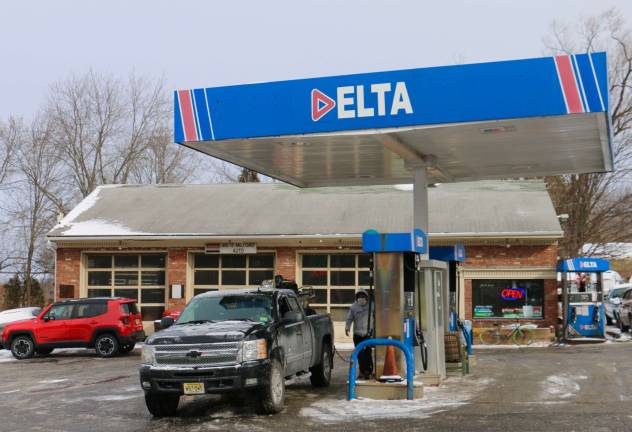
[{"x": 359, "y": 316}]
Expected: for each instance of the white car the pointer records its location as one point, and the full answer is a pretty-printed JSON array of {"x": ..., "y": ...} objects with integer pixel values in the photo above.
[
  {"x": 20, "y": 314},
  {"x": 613, "y": 301}
]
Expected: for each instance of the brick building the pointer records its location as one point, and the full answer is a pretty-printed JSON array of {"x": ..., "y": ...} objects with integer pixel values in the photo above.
[{"x": 163, "y": 244}]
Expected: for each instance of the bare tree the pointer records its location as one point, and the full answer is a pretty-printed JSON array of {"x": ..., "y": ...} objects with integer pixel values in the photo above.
[
  {"x": 9, "y": 135},
  {"x": 32, "y": 213},
  {"x": 165, "y": 162},
  {"x": 599, "y": 206},
  {"x": 104, "y": 126}
]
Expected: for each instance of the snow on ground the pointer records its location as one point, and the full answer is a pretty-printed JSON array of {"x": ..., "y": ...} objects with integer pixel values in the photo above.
[
  {"x": 539, "y": 344},
  {"x": 562, "y": 386},
  {"x": 454, "y": 392},
  {"x": 6, "y": 356},
  {"x": 344, "y": 346}
]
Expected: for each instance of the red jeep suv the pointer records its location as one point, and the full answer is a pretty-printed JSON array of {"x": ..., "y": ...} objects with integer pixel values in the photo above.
[{"x": 108, "y": 325}]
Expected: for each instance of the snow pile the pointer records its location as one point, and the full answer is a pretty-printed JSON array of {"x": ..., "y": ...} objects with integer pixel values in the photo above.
[
  {"x": 6, "y": 356},
  {"x": 561, "y": 386},
  {"x": 454, "y": 392},
  {"x": 538, "y": 344}
]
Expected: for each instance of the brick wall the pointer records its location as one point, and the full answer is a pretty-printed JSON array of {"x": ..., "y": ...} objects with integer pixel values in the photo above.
[
  {"x": 285, "y": 263},
  {"x": 501, "y": 256},
  {"x": 68, "y": 269},
  {"x": 176, "y": 274},
  {"x": 521, "y": 258}
]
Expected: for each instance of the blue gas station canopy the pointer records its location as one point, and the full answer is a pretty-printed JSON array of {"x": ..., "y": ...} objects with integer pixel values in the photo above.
[{"x": 533, "y": 117}]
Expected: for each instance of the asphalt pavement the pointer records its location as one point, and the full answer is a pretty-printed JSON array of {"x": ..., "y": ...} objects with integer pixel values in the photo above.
[{"x": 572, "y": 388}]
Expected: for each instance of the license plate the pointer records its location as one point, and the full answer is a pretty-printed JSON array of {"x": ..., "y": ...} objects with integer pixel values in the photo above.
[{"x": 193, "y": 388}]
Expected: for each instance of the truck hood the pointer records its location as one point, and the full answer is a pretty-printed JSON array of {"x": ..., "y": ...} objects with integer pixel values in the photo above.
[{"x": 223, "y": 331}]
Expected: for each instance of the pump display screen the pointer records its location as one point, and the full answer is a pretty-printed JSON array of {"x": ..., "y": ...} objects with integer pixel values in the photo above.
[{"x": 506, "y": 298}]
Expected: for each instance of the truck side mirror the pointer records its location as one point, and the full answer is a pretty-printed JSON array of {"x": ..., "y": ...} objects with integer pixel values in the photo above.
[
  {"x": 291, "y": 317},
  {"x": 166, "y": 322}
]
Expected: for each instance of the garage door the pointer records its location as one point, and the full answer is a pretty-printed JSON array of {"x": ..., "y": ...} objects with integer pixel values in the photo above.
[
  {"x": 212, "y": 272},
  {"x": 335, "y": 279},
  {"x": 137, "y": 276}
]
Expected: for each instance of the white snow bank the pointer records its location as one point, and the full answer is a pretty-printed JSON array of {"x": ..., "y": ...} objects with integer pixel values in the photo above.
[
  {"x": 6, "y": 356},
  {"x": 344, "y": 346},
  {"x": 540, "y": 344},
  {"x": 453, "y": 393}
]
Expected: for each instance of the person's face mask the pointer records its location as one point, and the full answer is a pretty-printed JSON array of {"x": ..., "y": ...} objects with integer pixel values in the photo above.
[{"x": 362, "y": 301}]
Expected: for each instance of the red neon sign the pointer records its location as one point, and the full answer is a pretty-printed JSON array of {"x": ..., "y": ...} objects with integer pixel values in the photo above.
[{"x": 512, "y": 294}]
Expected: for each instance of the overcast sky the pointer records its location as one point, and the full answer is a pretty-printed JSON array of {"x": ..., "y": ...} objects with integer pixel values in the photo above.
[{"x": 210, "y": 43}]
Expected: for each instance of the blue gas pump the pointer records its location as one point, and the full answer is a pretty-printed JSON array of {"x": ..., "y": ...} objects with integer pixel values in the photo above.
[{"x": 582, "y": 300}]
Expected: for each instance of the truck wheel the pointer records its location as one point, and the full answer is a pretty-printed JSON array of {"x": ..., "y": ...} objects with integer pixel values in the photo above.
[
  {"x": 321, "y": 373},
  {"x": 106, "y": 345},
  {"x": 273, "y": 391},
  {"x": 624, "y": 328},
  {"x": 22, "y": 347},
  {"x": 161, "y": 405}
]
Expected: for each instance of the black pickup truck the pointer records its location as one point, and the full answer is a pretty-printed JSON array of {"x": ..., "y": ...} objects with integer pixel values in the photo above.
[{"x": 247, "y": 340}]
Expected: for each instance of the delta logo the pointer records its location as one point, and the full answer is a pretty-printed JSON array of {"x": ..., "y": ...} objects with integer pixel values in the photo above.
[{"x": 383, "y": 99}]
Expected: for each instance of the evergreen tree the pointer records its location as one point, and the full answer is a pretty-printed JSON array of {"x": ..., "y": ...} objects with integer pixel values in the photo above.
[{"x": 15, "y": 294}]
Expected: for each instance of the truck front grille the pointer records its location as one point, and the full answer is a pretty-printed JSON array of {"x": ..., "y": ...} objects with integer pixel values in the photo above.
[{"x": 197, "y": 355}]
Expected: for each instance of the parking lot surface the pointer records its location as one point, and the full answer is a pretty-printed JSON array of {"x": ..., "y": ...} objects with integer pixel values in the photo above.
[{"x": 574, "y": 388}]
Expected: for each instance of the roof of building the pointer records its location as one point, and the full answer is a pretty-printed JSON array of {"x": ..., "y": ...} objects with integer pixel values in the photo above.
[{"x": 485, "y": 208}]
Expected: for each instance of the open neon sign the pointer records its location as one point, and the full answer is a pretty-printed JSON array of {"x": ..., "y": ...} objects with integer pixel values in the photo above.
[{"x": 513, "y": 294}]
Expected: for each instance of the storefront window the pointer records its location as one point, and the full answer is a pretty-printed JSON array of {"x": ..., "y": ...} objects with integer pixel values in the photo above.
[
  {"x": 506, "y": 298},
  {"x": 138, "y": 277}
]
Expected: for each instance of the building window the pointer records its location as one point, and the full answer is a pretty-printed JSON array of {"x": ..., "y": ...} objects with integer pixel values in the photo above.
[
  {"x": 507, "y": 298},
  {"x": 335, "y": 279},
  {"x": 140, "y": 277},
  {"x": 214, "y": 272}
]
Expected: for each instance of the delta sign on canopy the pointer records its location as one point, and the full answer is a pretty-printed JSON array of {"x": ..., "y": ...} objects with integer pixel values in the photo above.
[{"x": 532, "y": 117}]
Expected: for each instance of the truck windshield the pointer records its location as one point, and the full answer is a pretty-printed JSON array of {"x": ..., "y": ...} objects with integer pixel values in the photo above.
[{"x": 248, "y": 307}]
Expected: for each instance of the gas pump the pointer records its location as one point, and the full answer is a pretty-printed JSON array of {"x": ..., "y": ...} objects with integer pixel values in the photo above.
[
  {"x": 402, "y": 306},
  {"x": 582, "y": 297}
]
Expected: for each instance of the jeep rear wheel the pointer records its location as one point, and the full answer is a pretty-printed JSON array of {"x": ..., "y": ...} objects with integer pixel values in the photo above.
[
  {"x": 321, "y": 373},
  {"x": 273, "y": 390},
  {"x": 106, "y": 345},
  {"x": 22, "y": 347},
  {"x": 162, "y": 405}
]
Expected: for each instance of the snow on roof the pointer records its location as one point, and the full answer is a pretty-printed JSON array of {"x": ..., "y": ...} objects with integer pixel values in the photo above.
[{"x": 486, "y": 208}]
